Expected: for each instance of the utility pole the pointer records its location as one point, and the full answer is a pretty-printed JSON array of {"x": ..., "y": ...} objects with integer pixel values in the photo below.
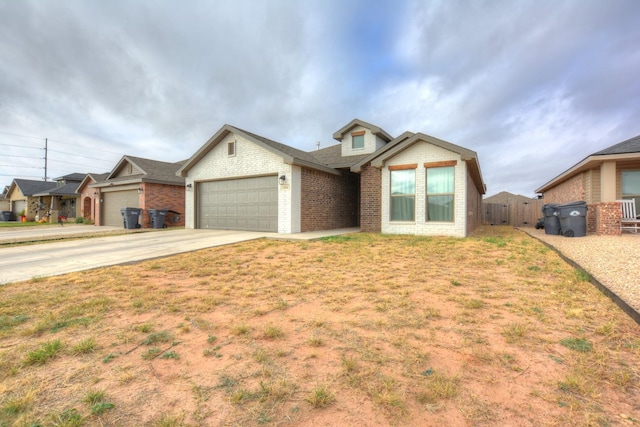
[{"x": 46, "y": 150}]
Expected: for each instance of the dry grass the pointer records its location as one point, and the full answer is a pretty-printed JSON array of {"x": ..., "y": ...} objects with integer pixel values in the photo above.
[{"x": 361, "y": 329}]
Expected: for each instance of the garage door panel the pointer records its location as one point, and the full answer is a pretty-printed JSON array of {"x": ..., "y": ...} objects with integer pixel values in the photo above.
[
  {"x": 112, "y": 202},
  {"x": 239, "y": 204}
]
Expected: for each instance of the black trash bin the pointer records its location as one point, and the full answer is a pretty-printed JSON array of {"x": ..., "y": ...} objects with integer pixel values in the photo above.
[
  {"x": 551, "y": 220},
  {"x": 573, "y": 219},
  {"x": 130, "y": 217},
  {"x": 5, "y": 215},
  {"x": 157, "y": 217}
]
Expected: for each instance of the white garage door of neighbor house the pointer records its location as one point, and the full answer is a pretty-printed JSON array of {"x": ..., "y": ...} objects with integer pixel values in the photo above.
[
  {"x": 18, "y": 206},
  {"x": 112, "y": 202},
  {"x": 239, "y": 204}
]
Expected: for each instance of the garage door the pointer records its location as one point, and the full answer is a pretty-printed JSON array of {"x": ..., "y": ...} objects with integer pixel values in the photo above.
[
  {"x": 239, "y": 204},
  {"x": 112, "y": 202},
  {"x": 18, "y": 206}
]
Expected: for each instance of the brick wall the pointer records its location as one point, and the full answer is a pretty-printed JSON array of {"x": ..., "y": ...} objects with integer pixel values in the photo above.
[
  {"x": 568, "y": 191},
  {"x": 604, "y": 218},
  {"x": 162, "y": 196},
  {"x": 328, "y": 201},
  {"x": 474, "y": 205},
  {"x": 371, "y": 199}
]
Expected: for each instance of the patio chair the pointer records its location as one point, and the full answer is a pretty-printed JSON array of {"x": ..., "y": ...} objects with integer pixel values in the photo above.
[{"x": 629, "y": 221}]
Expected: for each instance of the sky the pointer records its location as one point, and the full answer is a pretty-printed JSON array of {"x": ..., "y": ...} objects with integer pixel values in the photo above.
[{"x": 532, "y": 86}]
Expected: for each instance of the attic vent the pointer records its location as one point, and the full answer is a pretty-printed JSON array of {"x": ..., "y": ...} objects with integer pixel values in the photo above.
[{"x": 231, "y": 148}]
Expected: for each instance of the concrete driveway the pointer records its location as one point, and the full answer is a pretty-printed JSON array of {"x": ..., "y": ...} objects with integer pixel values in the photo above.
[{"x": 19, "y": 263}]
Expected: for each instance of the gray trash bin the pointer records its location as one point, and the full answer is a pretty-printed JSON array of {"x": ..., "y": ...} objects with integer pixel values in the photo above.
[
  {"x": 551, "y": 220},
  {"x": 573, "y": 219},
  {"x": 5, "y": 215},
  {"x": 157, "y": 217},
  {"x": 130, "y": 217}
]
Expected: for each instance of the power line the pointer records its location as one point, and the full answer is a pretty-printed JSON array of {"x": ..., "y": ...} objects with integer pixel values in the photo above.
[
  {"x": 78, "y": 155},
  {"x": 20, "y": 166},
  {"x": 21, "y": 146},
  {"x": 24, "y": 157},
  {"x": 21, "y": 136}
]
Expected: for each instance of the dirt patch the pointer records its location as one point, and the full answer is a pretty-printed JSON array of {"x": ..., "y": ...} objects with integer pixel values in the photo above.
[{"x": 362, "y": 329}]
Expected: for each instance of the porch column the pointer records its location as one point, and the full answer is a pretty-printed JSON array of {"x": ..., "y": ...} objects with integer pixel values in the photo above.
[{"x": 608, "y": 181}]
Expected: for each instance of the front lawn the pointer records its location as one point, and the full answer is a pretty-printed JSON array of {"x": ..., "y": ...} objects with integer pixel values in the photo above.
[{"x": 361, "y": 329}]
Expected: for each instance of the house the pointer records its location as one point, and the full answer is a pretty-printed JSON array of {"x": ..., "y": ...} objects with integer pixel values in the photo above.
[
  {"x": 411, "y": 184},
  {"x": 600, "y": 179},
  {"x": 89, "y": 196},
  {"x": 5, "y": 204},
  {"x": 23, "y": 200},
  {"x": 136, "y": 182},
  {"x": 62, "y": 200}
]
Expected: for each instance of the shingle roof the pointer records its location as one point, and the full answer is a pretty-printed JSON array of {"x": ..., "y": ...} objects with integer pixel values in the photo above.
[
  {"x": 152, "y": 171},
  {"x": 30, "y": 187},
  {"x": 629, "y": 146},
  {"x": 72, "y": 177},
  {"x": 286, "y": 149},
  {"x": 332, "y": 157},
  {"x": 65, "y": 190}
]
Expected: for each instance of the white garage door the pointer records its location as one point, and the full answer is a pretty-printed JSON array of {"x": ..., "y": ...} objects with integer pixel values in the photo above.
[
  {"x": 112, "y": 202},
  {"x": 18, "y": 206},
  {"x": 239, "y": 204}
]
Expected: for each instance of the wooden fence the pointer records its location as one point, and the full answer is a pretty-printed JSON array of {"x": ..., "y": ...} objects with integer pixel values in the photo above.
[{"x": 517, "y": 214}]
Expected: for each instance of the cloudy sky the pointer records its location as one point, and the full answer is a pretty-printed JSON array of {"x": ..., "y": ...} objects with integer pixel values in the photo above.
[{"x": 533, "y": 86}]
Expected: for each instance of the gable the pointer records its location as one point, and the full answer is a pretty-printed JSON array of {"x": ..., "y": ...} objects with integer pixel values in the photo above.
[
  {"x": 247, "y": 158},
  {"x": 127, "y": 169}
]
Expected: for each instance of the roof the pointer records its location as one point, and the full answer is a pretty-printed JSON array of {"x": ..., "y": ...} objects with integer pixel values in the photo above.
[
  {"x": 91, "y": 178},
  {"x": 152, "y": 171},
  {"x": 64, "y": 190},
  {"x": 30, "y": 187},
  {"x": 289, "y": 154},
  {"x": 504, "y": 197},
  {"x": 332, "y": 157},
  {"x": 72, "y": 177},
  {"x": 625, "y": 150},
  {"x": 376, "y": 130}
]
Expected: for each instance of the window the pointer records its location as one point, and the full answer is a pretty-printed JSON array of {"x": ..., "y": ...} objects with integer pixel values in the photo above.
[
  {"x": 631, "y": 186},
  {"x": 231, "y": 148},
  {"x": 357, "y": 140},
  {"x": 403, "y": 195},
  {"x": 440, "y": 189}
]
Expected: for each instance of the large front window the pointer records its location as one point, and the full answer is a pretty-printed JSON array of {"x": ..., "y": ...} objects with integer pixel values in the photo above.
[
  {"x": 631, "y": 186},
  {"x": 440, "y": 192},
  {"x": 403, "y": 195}
]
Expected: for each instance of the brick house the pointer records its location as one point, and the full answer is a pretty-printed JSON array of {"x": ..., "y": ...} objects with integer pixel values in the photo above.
[
  {"x": 89, "y": 197},
  {"x": 412, "y": 184},
  {"x": 136, "y": 183},
  {"x": 600, "y": 179}
]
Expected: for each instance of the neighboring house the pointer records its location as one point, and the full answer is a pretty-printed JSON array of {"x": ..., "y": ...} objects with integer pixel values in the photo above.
[
  {"x": 23, "y": 199},
  {"x": 89, "y": 199},
  {"x": 5, "y": 204},
  {"x": 412, "y": 184},
  {"x": 600, "y": 179},
  {"x": 63, "y": 198},
  {"x": 137, "y": 183}
]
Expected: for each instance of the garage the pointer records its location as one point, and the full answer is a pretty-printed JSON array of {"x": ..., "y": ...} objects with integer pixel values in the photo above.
[
  {"x": 113, "y": 201},
  {"x": 239, "y": 204}
]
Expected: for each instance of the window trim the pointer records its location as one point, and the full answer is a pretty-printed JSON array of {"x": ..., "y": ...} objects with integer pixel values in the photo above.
[
  {"x": 391, "y": 196},
  {"x": 358, "y": 133},
  {"x": 437, "y": 165},
  {"x": 231, "y": 148}
]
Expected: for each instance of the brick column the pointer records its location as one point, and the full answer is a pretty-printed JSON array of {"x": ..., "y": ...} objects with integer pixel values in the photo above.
[{"x": 371, "y": 199}]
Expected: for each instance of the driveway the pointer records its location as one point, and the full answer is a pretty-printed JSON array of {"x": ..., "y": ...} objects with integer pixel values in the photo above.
[{"x": 19, "y": 263}]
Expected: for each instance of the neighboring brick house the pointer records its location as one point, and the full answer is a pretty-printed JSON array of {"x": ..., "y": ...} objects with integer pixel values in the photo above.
[
  {"x": 600, "y": 179},
  {"x": 412, "y": 184},
  {"x": 137, "y": 183},
  {"x": 89, "y": 197}
]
